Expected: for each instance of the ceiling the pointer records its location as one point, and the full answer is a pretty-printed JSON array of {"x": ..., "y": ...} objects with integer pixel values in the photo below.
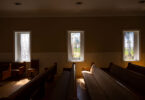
[{"x": 69, "y": 8}]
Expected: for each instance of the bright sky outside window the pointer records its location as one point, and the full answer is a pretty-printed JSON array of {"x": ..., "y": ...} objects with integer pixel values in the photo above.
[
  {"x": 22, "y": 46},
  {"x": 131, "y": 46},
  {"x": 75, "y": 46}
]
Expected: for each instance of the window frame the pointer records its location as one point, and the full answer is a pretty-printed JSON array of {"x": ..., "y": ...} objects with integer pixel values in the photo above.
[
  {"x": 136, "y": 42},
  {"x": 20, "y": 31},
  {"x": 70, "y": 58}
]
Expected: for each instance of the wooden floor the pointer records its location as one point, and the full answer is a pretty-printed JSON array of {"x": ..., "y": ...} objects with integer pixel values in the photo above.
[
  {"x": 82, "y": 92},
  {"x": 9, "y": 87}
]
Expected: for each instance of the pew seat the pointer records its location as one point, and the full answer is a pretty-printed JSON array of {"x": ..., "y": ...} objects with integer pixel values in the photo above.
[
  {"x": 131, "y": 79},
  {"x": 101, "y": 86},
  {"x": 34, "y": 89},
  {"x": 93, "y": 87},
  {"x": 60, "y": 90},
  {"x": 5, "y": 70},
  {"x": 65, "y": 86},
  {"x": 136, "y": 68}
]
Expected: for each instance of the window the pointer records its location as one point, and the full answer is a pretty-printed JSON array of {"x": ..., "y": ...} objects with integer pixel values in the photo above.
[
  {"x": 22, "y": 46},
  {"x": 131, "y": 46},
  {"x": 76, "y": 46}
]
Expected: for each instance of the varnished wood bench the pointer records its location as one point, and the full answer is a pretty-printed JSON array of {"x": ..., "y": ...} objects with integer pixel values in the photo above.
[
  {"x": 33, "y": 90},
  {"x": 101, "y": 86},
  {"x": 131, "y": 79},
  {"x": 60, "y": 90},
  {"x": 136, "y": 68},
  {"x": 65, "y": 88}
]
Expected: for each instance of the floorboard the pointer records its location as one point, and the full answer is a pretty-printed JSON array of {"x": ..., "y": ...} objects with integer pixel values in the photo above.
[
  {"x": 82, "y": 92},
  {"x": 9, "y": 87}
]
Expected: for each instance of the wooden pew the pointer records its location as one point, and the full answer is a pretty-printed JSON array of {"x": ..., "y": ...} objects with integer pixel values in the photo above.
[
  {"x": 65, "y": 88},
  {"x": 33, "y": 90},
  {"x": 131, "y": 79},
  {"x": 5, "y": 70},
  {"x": 72, "y": 89},
  {"x": 101, "y": 86},
  {"x": 136, "y": 68},
  {"x": 60, "y": 90}
]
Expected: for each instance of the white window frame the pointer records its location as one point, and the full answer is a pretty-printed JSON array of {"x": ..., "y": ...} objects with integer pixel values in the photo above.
[
  {"x": 70, "y": 57},
  {"x": 17, "y": 45},
  {"x": 136, "y": 45}
]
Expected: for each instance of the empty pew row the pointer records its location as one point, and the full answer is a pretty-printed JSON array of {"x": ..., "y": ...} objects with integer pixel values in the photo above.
[
  {"x": 131, "y": 79},
  {"x": 65, "y": 88},
  {"x": 136, "y": 68},
  {"x": 101, "y": 86},
  {"x": 33, "y": 90}
]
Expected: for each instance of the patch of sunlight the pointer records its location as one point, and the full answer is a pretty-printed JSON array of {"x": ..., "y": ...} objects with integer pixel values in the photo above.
[
  {"x": 87, "y": 72},
  {"x": 81, "y": 83},
  {"x": 22, "y": 82}
]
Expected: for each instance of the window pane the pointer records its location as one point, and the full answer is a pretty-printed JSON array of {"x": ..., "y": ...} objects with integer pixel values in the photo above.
[
  {"x": 75, "y": 45},
  {"x": 129, "y": 46},
  {"x": 25, "y": 47}
]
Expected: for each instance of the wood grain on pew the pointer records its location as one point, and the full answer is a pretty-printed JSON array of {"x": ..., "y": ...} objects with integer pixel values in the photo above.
[
  {"x": 131, "y": 79},
  {"x": 34, "y": 89},
  {"x": 114, "y": 90},
  {"x": 65, "y": 88},
  {"x": 94, "y": 89},
  {"x": 60, "y": 90},
  {"x": 101, "y": 85}
]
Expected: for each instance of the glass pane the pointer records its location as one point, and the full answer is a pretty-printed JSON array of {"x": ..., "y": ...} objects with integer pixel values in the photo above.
[
  {"x": 129, "y": 46},
  {"x": 25, "y": 47},
  {"x": 75, "y": 45}
]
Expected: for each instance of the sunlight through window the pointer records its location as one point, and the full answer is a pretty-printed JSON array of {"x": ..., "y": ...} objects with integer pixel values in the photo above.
[
  {"x": 131, "y": 45},
  {"x": 22, "y": 46},
  {"x": 75, "y": 46}
]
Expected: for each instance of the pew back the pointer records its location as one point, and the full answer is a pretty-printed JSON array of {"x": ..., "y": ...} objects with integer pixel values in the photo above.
[
  {"x": 136, "y": 68},
  {"x": 34, "y": 89},
  {"x": 65, "y": 88},
  {"x": 129, "y": 78},
  {"x": 106, "y": 88}
]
